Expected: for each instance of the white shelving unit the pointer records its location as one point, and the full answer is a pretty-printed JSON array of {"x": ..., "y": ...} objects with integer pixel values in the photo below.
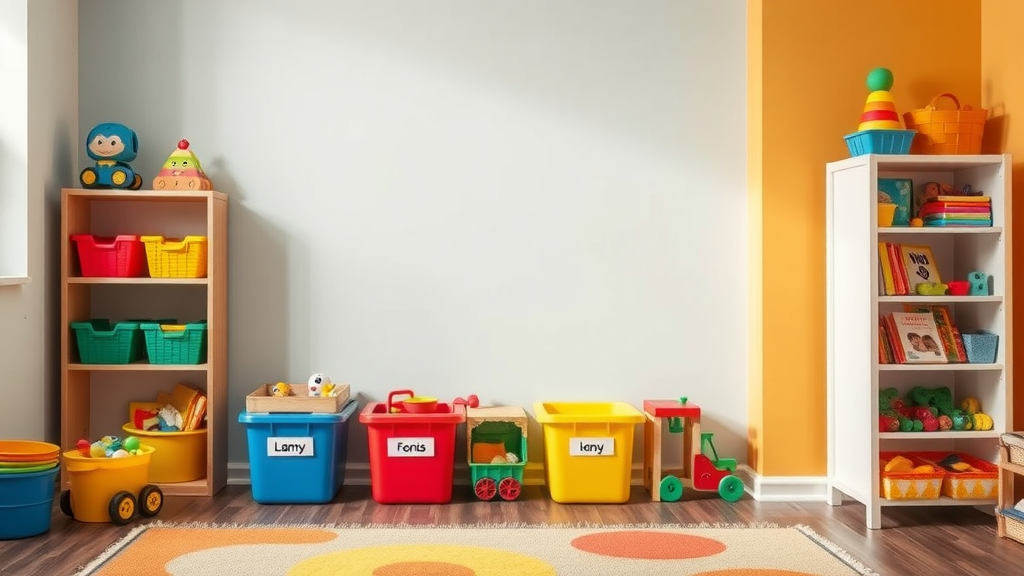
[{"x": 854, "y": 306}]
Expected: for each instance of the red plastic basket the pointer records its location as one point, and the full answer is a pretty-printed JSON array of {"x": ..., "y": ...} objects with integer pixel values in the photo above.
[{"x": 118, "y": 256}]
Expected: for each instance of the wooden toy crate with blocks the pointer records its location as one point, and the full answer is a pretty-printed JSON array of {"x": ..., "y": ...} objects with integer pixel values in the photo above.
[
  {"x": 910, "y": 485},
  {"x": 262, "y": 399}
]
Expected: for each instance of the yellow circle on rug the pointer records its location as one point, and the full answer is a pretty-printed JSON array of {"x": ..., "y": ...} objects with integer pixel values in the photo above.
[{"x": 418, "y": 559}]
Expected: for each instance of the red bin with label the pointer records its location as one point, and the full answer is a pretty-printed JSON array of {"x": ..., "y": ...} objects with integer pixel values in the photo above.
[{"x": 412, "y": 455}]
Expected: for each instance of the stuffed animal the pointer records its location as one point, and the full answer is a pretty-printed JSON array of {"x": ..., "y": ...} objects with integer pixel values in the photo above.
[
  {"x": 112, "y": 146},
  {"x": 316, "y": 383},
  {"x": 281, "y": 389}
]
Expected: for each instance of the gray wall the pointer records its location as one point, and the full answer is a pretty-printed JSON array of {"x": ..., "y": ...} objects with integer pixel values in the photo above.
[
  {"x": 38, "y": 124},
  {"x": 530, "y": 201}
]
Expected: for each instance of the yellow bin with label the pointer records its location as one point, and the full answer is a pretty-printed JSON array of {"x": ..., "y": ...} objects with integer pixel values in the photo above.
[{"x": 588, "y": 450}]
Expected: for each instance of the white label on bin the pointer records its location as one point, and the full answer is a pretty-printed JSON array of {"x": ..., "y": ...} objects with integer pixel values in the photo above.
[
  {"x": 290, "y": 446},
  {"x": 411, "y": 447},
  {"x": 592, "y": 447}
]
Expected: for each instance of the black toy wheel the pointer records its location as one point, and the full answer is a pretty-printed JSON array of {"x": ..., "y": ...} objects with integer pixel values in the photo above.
[
  {"x": 136, "y": 183},
  {"x": 88, "y": 177},
  {"x": 65, "y": 503},
  {"x": 486, "y": 488},
  {"x": 122, "y": 508},
  {"x": 151, "y": 500}
]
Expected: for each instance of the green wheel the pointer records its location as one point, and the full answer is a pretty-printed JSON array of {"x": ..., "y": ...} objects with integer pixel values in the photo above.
[
  {"x": 730, "y": 488},
  {"x": 671, "y": 489}
]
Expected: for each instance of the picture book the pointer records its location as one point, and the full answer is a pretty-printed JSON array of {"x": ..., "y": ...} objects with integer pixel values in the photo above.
[
  {"x": 918, "y": 338},
  {"x": 898, "y": 191},
  {"x": 951, "y": 341},
  {"x": 920, "y": 266}
]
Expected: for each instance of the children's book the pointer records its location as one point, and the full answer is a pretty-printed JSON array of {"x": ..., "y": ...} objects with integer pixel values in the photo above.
[
  {"x": 920, "y": 266},
  {"x": 947, "y": 329},
  {"x": 899, "y": 191},
  {"x": 918, "y": 338}
]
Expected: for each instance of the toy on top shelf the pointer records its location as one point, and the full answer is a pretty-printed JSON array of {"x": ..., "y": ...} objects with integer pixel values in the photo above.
[
  {"x": 182, "y": 171},
  {"x": 112, "y": 146},
  {"x": 879, "y": 131},
  {"x": 701, "y": 465}
]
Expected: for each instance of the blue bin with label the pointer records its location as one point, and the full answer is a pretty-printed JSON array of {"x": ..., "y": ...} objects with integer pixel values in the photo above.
[{"x": 297, "y": 458}]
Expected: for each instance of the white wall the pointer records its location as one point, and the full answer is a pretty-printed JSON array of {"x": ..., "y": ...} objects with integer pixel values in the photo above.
[
  {"x": 529, "y": 201},
  {"x": 39, "y": 119}
]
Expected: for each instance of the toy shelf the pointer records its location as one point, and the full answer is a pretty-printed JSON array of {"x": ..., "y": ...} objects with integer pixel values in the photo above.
[
  {"x": 854, "y": 305},
  {"x": 94, "y": 397}
]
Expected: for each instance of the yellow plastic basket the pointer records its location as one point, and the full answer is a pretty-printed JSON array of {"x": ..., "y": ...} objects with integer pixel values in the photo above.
[
  {"x": 174, "y": 258},
  {"x": 946, "y": 131}
]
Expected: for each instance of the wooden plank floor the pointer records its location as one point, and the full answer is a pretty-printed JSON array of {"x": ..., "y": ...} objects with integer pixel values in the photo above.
[{"x": 914, "y": 541}]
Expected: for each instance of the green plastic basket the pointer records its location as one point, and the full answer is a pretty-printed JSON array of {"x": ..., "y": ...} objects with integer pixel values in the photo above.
[
  {"x": 175, "y": 343},
  {"x": 102, "y": 342}
]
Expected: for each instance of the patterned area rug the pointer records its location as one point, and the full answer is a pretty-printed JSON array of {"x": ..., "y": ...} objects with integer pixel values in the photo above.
[{"x": 204, "y": 550}]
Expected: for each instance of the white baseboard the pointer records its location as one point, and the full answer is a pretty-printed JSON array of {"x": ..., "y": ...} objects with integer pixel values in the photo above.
[{"x": 761, "y": 488}]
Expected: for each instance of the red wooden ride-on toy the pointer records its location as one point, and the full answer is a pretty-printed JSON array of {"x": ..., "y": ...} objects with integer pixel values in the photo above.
[{"x": 702, "y": 467}]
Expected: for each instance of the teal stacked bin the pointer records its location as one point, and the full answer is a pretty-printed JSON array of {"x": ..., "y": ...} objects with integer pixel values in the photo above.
[{"x": 297, "y": 458}]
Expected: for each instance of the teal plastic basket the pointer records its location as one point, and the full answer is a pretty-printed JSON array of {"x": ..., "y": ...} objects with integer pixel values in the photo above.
[
  {"x": 981, "y": 347},
  {"x": 175, "y": 343},
  {"x": 102, "y": 342},
  {"x": 879, "y": 142}
]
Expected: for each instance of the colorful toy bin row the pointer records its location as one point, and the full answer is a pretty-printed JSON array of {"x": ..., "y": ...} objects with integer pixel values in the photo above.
[
  {"x": 100, "y": 341},
  {"x": 131, "y": 256},
  {"x": 28, "y": 477}
]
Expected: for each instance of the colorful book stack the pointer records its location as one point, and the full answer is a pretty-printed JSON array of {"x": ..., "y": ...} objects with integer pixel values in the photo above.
[{"x": 957, "y": 211}]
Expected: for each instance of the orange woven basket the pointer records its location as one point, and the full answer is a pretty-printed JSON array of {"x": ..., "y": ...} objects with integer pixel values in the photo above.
[{"x": 946, "y": 131}]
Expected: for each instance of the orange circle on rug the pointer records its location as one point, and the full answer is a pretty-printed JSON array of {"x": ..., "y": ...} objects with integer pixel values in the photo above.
[
  {"x": 647, "y": 545},
  {"x": 472, "y": 560},
  {"x": 753, "y": 572},
  {"x": 423, "y": 569}
]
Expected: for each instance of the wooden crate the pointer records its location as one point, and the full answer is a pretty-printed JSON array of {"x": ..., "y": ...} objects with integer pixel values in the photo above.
[
  {"x": 476, "y": 416},
  {"x": 262, "y": 400}
]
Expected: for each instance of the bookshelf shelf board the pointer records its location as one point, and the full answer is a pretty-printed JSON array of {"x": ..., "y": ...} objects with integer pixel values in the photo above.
[
  {"x": 119, "y": 281},
  {"x": 939, "y": 299},
  {"x": 956, "y": 435},
  {"x": 939, "y": 367},
  {"x": 941, "y": 501},
  {"x": 920, "y": 162},
  {"x": 906, "y": 230},
  {"x": 140, "y": 366}
]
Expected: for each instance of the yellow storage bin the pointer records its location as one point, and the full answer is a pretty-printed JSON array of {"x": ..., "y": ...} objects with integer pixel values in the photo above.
[
  {"x": 588, "y": 450},
  {"x": 179, "y": 456},
  {"x": 95, "y": 481},
  {"x": 176, "y": 258}
]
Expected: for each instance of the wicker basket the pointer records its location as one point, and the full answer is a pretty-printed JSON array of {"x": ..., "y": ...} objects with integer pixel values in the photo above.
[
  {"x": 1013, "y": 523},
  {"x": 1014, "y": 442},
  {"x": 947, "y": 131}
]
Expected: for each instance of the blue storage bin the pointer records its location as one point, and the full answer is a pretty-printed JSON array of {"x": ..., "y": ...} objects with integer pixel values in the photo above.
[
  {"x": 297, "y": 458},
  {"x": 26, "y": 502},
  {"x": 879, "y": 142},
  {"x": 980, "y": 347}
]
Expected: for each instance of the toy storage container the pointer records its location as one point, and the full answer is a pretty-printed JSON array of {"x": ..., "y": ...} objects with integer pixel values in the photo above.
[
  {"x": 95, "y": 482},
  {"x": 177, "y": 456},
  {"x": 910, "y": 485},
  {"x": 297, "y": 458},
  {"x": 176, "y": 258},
  {"x": 981, "y": 484},
  {"x": 102, "y": 342},
  {"x": 412, "y": 455},
  {"x": 28, "y": 472},
  {"x": 588, "y": 450},
  {"x": 492, "y": 434},
  {"x": 175, "y": 343},
  {"x": 118, "y": 256}
]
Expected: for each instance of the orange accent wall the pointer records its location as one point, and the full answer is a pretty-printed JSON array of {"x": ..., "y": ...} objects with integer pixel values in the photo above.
[
  {"x": 1002, "y": 93},
  {"x": 807, "y": 88}
]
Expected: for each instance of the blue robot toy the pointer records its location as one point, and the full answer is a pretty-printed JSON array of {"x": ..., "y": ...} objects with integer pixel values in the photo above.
[{"x": 112, "y": 146}]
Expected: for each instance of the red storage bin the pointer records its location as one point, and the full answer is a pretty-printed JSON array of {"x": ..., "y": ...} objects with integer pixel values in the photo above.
[
  {"x": 120, "y": 256},
  {"x": 412, "y": 456}
]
